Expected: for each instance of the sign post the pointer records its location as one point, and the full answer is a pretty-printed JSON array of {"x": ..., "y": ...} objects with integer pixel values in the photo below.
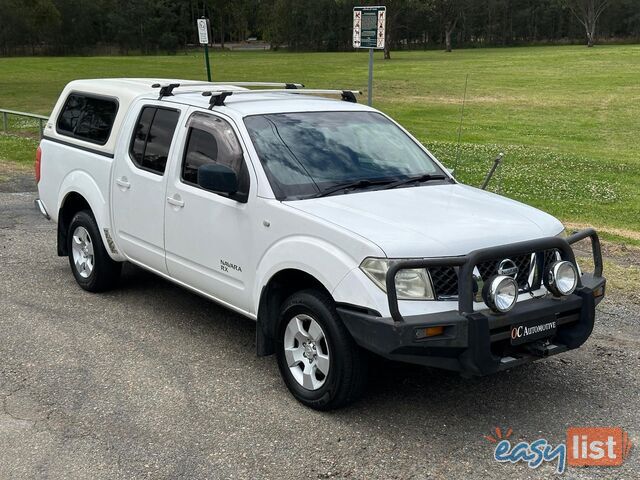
[
  {"x": 203, "y": 37},
  {"x": 368, "y": 32}
]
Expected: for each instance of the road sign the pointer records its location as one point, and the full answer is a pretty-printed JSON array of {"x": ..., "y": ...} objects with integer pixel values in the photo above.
[
  {"x": 203, "y": 31},
  {"x": 369, "y": 27},
  {"x": 368, "y": 32},
  {"x": 203, "y": 37}
]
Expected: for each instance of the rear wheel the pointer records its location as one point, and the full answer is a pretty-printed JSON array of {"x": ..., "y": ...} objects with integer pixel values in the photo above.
[
  {"x": 319, "y": 361},
  {"x": 90, "y": 263}
]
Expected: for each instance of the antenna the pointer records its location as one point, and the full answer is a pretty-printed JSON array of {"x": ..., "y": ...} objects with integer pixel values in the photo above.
[{"x": 464, "y": 101}]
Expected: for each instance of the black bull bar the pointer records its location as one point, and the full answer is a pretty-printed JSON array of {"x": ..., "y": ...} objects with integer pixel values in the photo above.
[{"x": 467, "y": 263}]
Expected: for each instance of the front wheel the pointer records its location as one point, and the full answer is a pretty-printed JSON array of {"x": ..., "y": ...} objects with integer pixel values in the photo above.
[
  {"x": 90, "y": 263},
  {"x": 319, "y": 361}
]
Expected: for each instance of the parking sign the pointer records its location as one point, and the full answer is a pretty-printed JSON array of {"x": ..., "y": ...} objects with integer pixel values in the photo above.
[{"x": 203, "y": 31}]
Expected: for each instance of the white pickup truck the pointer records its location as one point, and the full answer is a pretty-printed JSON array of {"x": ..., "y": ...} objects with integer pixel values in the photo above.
[{"x": 321, "y": 219}]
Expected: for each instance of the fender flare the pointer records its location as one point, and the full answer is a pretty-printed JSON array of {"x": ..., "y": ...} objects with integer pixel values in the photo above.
[
  {"x": 321, "y": 265},
  {"x": 81, "y": 183}
]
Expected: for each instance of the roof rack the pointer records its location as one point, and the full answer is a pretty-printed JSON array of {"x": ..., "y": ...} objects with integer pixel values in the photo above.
[
  {"x": 218, "y": 96},
  {"x": 166, "y": 90}
]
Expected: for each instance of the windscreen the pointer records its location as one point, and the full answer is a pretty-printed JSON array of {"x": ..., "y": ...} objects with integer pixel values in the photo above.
[{"x": 306, "y": 153}]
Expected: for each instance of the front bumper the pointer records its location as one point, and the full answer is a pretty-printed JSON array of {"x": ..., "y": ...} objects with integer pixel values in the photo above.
[{"x": 479, "y": 343}]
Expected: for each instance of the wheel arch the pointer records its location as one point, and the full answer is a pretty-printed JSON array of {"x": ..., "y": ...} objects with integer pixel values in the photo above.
[
  {"x": 79, "y": 191},
  {"x": 71, "y": 204},
  {"x": 280, "y": 286}
]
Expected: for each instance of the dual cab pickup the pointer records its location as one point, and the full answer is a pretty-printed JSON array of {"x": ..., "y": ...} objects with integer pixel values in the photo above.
[{"x": 322, "y": 219}]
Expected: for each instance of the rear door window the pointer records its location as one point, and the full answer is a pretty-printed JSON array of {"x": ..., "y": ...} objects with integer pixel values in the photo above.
[
  {"x": 87, "y": 118},
  {"x": 152, "y": 138}
]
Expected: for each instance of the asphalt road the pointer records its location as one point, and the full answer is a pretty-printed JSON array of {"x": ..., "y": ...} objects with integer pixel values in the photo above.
[{"x": 153, "y": 381}]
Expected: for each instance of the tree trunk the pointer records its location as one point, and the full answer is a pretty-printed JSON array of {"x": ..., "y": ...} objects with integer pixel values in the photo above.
[
  {"x": 387, "y": 47},
  {"x": 449, "y": 27},
  {"x": 222, "y": 31},
  {"x": 588, "y": 12},
  {"x": 591, "y": 36}
]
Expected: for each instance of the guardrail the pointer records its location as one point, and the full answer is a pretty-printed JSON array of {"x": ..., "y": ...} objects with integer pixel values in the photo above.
[{"x": 5, "y": 119}]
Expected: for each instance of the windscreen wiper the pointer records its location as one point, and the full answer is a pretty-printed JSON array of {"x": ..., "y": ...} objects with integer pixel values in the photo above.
[
  {"x": 420, "y": 178},
  {"x": 356, "y": 185}
]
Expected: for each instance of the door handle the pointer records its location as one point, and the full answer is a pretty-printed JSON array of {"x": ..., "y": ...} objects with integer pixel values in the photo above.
[
  {"x": 176, "y": 201},
  {"x": 122, "y": 182}
]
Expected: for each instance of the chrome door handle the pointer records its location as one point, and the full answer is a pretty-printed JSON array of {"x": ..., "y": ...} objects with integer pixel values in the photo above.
[
  {"x": 122, "y": 182},
  {"x": 175, "y": 201}
]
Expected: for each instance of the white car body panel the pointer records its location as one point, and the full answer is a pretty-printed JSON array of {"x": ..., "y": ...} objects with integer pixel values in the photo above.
[
  {"x": 70, "y": 170},
  {"x": 296, "y": 240},
  {"x": 138, "y": 209},
  {"x": 433, "y": 220},
  {"x": 224, "y": 232}
]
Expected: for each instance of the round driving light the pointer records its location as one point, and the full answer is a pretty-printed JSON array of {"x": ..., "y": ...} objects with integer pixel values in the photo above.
[
  {"x": 500, "y": 293},
  {"x": 561, "y": 278}
]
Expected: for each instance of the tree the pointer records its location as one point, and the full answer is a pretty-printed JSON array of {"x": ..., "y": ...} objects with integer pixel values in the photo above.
[
  {"x": 399, "y": 15},
  {"x": 587, "y": 12},
  {"x": 158, "y": 26},
  {"x": 449, "y": 12},
  {"x": 29, "y": 22}
]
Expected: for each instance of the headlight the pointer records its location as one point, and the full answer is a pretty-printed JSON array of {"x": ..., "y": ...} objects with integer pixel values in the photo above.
[
  {"x": 500, "y": 293},
  {"x": 561, "y": 278},
  {"x": 411, "y": 284}
]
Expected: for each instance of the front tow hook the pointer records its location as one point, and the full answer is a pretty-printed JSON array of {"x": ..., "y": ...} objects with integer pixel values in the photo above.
[{"x": 542, "y": 348}]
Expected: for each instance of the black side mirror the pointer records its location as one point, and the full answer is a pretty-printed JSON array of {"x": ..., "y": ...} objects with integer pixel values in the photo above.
[{"x": 218, "y": 178}]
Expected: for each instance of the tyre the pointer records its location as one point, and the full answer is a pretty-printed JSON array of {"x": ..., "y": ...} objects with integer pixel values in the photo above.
[
  {"x": 90, "y": 263},
  {"x": 319, "y": 361}
]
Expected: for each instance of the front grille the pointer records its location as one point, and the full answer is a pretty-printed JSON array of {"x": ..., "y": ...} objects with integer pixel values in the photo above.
[
  {"x": 490, "y": 268},
  {"x": 445, "y": 279},
  {"x": 550, "y": 256}
]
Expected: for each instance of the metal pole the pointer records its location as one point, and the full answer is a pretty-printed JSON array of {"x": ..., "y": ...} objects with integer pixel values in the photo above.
[
  {"x": 206, "y": 61},
  {"x": 496, "y": 164},
  {"x": 370, "y": 89}
]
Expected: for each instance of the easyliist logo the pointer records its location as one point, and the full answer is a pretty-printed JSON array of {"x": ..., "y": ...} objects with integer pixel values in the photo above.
[
  {"x": 588, "y": 446},
  {"x": 607, "y": 447}
]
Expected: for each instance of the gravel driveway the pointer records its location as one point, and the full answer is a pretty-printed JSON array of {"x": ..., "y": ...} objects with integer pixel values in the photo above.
[{"x": 153, "y": 381}]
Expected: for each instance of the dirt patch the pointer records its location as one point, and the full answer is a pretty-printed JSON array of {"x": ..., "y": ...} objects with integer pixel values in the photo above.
[
  {"x": 26, "y": 134},
  {"x": 621, "y": 267},
  {"x": 621, "y": 232},
  {"x": 16, "y": 178}
]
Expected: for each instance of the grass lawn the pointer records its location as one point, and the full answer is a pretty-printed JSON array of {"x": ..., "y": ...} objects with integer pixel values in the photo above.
[{"x": 567, "y": 118}]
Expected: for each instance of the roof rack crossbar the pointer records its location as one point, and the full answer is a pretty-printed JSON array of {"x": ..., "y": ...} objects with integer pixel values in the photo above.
[
  {"x": 218, "y": 96},
  {"x": 167, "y": 90},
  {"x": 292, "y": 86}
]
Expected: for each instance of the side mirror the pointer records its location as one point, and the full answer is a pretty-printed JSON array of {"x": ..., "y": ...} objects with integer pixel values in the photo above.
[{"x": 218, "y": 178}]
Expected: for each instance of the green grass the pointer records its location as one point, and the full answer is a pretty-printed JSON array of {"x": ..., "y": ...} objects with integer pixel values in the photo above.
[
  {"x": 567, "y": 118},
  {"x": 17, "y": 148}
]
